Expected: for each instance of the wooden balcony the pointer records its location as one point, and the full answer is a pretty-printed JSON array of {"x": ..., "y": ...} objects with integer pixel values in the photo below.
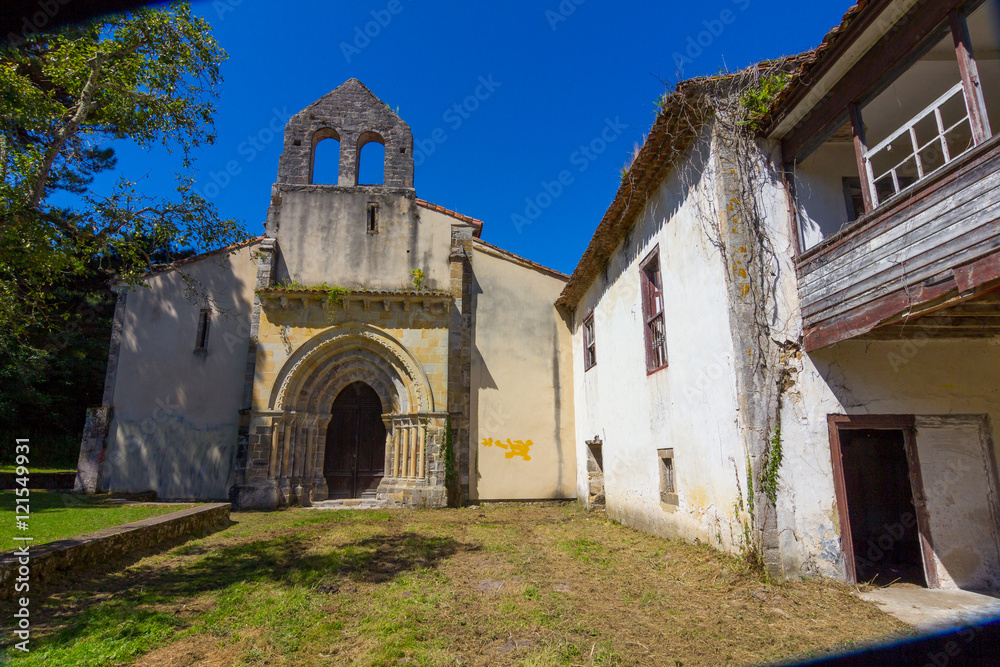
[{"x": 931, "y": 253}]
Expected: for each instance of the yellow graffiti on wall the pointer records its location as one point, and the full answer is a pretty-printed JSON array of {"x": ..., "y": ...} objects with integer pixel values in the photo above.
[{"x": 514, "y": 448}]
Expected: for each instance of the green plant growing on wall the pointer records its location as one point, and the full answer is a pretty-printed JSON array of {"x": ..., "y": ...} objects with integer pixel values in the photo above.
[
  {"x": 448, "y": 453},
  {"x": 769, "y": 476},
  {"x": 417, "y": 275},
  {"x": 756, "y": 101},
  {"x": 334, "y": 298}
]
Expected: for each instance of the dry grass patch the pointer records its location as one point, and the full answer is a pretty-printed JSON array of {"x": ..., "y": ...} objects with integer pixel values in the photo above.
[{"x": 498, "y": 585}]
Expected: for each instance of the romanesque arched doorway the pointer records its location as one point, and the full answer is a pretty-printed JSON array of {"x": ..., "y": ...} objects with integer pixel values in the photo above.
[{"x": 355, "y": 443}]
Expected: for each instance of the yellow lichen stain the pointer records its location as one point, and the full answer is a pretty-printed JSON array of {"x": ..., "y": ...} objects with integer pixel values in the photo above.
[
  {"x": 514, "y": 448},
  {"x": 743, "y": 274},
  {"x": 743, "y": 248},
  {"x": 744, "y": 290},
  {"x": 697, "y": 498}
]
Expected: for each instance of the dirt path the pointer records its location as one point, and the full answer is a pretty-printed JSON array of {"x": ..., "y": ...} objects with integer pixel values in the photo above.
[{"x": 498, "y": 585}]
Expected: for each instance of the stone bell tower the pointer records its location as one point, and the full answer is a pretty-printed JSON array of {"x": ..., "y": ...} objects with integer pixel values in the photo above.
[{"x": 359, "y": 343}]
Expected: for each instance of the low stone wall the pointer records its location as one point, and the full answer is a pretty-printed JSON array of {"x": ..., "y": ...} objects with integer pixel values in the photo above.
[
  {"x": 40, "y": 481},
  {"x": 104, "y": 545}
]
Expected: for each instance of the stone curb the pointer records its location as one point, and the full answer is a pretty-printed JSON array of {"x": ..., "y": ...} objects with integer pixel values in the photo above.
[{"x": 108, "y": 544}]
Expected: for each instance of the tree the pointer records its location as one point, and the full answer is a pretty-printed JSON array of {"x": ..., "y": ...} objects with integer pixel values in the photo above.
[{"x": 150, "y": 77}]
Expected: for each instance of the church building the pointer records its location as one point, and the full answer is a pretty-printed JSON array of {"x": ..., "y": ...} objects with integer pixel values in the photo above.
[{"x": 368, "y": 346}]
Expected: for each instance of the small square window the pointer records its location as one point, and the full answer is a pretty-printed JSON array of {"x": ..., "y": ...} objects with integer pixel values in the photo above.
[
  {"x": 589, "y": 343},
  {"x": 668, "y": 483},
  {"x": 372, "y": 220},
  {"x": 204, "y": 324}
]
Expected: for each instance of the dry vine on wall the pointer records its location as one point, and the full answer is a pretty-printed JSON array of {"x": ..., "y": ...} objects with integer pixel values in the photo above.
[{"x": 734, "y": 221}]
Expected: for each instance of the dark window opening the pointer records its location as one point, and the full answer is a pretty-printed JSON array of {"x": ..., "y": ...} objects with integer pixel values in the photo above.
[
  {"x": 372, "y": 218},
  {"x": 668, "y": 483},
  {"x": 854, "y": 198},
  {"x": 652, "y": 310},
  {"x": 204, "y": 324},
  {"x": 589, "y": 343}
]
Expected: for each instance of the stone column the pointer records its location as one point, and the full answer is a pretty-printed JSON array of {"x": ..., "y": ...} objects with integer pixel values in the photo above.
[
  {"x": 306, "y": 469},
  {"x": 320, "y": 491},
  {"x": 287, "y": 441}
]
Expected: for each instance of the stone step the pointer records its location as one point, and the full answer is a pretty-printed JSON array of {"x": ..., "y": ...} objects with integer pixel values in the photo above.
[{"x": 351, "y": 504}]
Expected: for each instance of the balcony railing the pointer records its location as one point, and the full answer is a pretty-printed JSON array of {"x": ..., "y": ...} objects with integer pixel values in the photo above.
[{"x": 929, "y": 146}]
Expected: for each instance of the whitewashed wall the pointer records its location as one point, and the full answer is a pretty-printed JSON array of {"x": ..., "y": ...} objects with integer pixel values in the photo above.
[
  {"x": 176, "y": 411},
  {"x": 689, "y": 406}
]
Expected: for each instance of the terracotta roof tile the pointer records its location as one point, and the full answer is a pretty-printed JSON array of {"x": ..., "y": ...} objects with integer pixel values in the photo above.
[
  {"x": 815, "y": 60},
  {"x": 453, "y": 214}
]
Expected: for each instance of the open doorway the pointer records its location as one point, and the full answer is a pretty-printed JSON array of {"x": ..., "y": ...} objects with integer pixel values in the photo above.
[{"x": 883, "y": 524}]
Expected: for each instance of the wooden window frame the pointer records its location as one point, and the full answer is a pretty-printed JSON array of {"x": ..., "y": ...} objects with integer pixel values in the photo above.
[
  {"x": 589, "y": 342},
  {"x": 652, "y": 297},
  {"x": 904, "y": 423},
  {"x": 204, "y": 329}
]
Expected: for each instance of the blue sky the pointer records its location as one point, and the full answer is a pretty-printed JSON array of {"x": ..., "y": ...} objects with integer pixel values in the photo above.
[{"x": 552, "y": 77}]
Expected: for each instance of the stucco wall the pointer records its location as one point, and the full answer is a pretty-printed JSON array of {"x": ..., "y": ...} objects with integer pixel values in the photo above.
[
  {"x": 942, "y": 382},
  {"x": 689, "y": 406},
  {"x": 522, "y": 388},
  {"x": 323, "y": 237},
  {"x": 819, "y": 191},
  {"x": 175, "y": 411}
]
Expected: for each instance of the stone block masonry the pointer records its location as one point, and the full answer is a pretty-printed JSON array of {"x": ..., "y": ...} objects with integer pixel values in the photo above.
[{"x": 109, "y": 544}]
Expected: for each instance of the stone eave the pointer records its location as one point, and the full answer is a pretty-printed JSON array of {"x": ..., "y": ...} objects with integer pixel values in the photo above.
[{"x": 285, "y": 297}]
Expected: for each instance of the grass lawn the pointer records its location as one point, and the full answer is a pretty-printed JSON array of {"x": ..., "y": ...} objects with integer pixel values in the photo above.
[
  {"x": 34, "y": 470},
  {"x": 541, "y": 585},
  {"x": 55, "y": 516}
]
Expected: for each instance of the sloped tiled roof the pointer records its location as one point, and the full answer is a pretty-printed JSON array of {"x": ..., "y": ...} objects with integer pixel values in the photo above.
[
  {"x": 454, "y": 214},
  {"x": 815, "y": 62}
]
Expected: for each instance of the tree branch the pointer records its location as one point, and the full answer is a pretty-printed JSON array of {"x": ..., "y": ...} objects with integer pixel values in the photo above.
[{"x": 83, "y": 107}]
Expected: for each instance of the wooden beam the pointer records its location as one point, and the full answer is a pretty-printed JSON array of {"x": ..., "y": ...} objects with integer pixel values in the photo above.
[
  {"x": 982, "y": 275},
  {"x": 860, "y": 148},
  {"x": 883, "y": 58},
  {"x": 971, "y": 83}
]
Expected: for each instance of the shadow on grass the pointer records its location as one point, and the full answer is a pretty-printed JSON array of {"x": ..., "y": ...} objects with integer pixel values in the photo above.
[{"x": 147, "y": 604}]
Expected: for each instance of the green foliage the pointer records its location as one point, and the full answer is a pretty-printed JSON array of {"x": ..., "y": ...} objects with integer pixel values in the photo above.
[
  {"x": 757, "y": 101},
  {"x": 150, "y": 78},
  {"x": 418, "y": 277},
  {"x": 769, "y": 476},
  {"x": 66, "y": 100},
  {"x": 448, "y": 452}
]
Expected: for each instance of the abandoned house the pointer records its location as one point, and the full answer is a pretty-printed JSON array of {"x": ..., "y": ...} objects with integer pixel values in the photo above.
[
  {"x": 811, "y": 292},
  {"x": 783, "y": 338}
]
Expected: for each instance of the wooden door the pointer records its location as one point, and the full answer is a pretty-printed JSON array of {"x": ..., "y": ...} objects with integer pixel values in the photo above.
[{"x": 355, "y": 443}]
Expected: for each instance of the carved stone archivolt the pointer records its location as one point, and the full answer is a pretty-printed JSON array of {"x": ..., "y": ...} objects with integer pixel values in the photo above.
[
  {"x": 299, "y": 409},
  {"x": 316, "y": 373}
]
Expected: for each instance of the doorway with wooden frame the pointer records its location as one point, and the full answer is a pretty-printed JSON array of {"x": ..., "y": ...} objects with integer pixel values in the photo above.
[
  {"x": 355, "y": 443},
  {"x": 885, "y": 527}
]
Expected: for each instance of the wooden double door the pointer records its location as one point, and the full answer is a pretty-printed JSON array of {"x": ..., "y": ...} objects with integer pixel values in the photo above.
[{"x": 355, "y": 443}]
